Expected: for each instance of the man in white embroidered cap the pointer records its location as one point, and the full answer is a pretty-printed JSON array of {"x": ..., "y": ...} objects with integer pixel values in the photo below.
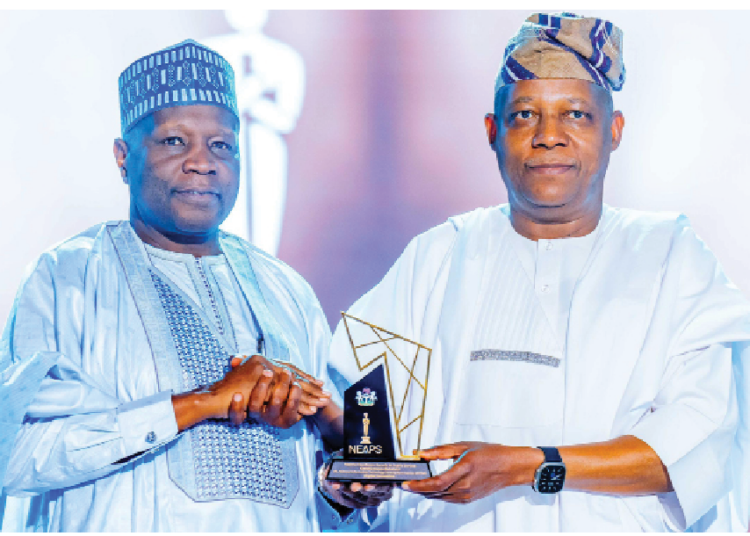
[
  {"x": 582, "y": 375},
  {"x": 157, "y": 373}
]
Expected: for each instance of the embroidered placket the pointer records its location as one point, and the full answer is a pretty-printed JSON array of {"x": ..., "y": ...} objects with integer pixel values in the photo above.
[
  {"x": 246, "y": 461},
  {"x": 211, "y": 297}
]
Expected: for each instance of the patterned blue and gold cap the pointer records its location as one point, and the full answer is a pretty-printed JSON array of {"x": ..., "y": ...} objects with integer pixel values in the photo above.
[
  {"x": 564, "y": 45},
  {"x": 180, "y": 75}
]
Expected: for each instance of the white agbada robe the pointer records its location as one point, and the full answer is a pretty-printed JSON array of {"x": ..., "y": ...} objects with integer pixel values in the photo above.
[
  {"x": 626, "y": 331},
  {"x": 79, "y": 364}
]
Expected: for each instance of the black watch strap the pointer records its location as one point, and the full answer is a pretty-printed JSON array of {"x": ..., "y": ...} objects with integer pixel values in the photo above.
[{"x": 551, "y": 454}]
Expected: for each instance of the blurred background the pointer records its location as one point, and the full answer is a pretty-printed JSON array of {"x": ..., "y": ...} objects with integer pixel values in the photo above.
[{"x": 361, "y": 129}]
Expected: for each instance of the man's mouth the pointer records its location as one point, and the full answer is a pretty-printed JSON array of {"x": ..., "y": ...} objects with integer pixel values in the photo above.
[
  {"x": 197, "y": 192},
  {"x": 197, "y": 196},
  {"x": 551, "y": 168}
]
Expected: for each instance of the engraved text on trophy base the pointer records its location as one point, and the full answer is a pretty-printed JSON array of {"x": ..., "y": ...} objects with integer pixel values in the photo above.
[{"x": 397, "y": 471}]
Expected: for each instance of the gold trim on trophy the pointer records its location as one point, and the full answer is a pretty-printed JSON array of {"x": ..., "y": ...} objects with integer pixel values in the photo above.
[
  {"x": 365, "y": 429},
  {"x": 384, "y": 336}
]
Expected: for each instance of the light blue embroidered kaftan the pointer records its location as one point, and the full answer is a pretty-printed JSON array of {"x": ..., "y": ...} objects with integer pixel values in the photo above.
[{"x": 103, "y": 331}]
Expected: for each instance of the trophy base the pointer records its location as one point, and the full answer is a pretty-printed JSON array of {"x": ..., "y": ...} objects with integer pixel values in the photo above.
[{"x": 378, "y": 471}]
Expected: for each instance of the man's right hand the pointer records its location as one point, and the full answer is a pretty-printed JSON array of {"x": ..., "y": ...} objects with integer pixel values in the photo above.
[
  {"x": 276, "y": 404},
  {"x": 244, "y": 389},
  {"x": 313, "y": 397},
  {"x": 218, "y": 401},
  {"x": 314, "y": 402},
  {"x": 254, "y": 387}
]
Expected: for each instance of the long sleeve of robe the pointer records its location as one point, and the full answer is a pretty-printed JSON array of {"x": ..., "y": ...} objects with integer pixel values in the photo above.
[
  {"x": 646, "y": 351},
  {"x": 85, "y": 423}
]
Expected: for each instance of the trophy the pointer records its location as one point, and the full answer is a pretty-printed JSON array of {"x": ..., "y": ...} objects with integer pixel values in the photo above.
[{"x": 390, "y": 398}]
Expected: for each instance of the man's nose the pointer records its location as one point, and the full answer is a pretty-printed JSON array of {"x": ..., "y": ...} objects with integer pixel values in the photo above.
[
  {"x": 199, "y": 160},
  {"x": 550, "y": 133}
]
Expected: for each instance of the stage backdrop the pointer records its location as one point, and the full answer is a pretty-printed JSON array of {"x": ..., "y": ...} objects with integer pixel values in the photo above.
[{"x": 361, "y": 129}]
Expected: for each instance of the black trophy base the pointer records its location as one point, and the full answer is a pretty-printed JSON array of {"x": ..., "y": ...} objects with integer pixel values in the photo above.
[{"x": 378, "y": 471}]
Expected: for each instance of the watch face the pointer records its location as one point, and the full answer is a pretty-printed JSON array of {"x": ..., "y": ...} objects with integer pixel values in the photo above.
[{"x": 551, "y": 478}]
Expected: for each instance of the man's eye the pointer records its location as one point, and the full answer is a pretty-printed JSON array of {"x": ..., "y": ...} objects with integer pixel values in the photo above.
[
  {"x": 173, "y": 140},
  {"x": 523, "y": 114},
  {"x": 222, "y": 145},
  {"x": 577, "y": 114}
]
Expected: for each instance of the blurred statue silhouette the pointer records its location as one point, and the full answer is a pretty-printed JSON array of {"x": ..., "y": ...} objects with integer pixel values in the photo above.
[{"x": 270, "y": 80}]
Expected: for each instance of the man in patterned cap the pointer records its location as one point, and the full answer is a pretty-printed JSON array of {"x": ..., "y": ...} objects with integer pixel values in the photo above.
[
  {"x": 582, "y": 354},
  {"x": 123, "y": 408}
]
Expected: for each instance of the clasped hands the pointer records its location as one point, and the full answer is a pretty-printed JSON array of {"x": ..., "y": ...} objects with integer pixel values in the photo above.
[{"x": 277, "y": 394}]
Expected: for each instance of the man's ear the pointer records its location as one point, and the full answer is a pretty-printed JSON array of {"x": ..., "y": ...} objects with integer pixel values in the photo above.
[
  {"x": 490, "y": 125},
  {"x": 120, "y": 150},
  {"x": 618, "y": 123}
]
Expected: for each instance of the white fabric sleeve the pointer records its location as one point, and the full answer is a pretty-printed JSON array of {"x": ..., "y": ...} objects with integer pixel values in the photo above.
[
  {"x": 62, "y": 426},
  {"x": 61, "y": 444},
  {"x": 739, "y": 468},
  {"x": 147, "y": 423},
  {"x": 690, "y": 426}
]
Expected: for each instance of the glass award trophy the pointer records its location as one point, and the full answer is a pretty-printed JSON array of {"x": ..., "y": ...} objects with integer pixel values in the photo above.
[{"x": 387, "y": 403}]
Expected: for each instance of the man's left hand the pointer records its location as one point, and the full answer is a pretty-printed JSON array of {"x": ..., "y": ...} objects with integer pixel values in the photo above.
[
  {"x": 312, "y": 396},
  {"x": 357, "y": 495},
  {"x": 354, "y": 495},
  {"x": 480, "y": 469},
  {"x": 274, "y": 400}
]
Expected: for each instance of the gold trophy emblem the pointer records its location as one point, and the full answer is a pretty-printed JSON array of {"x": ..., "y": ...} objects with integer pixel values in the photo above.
[{"x": 365, "y": 427}]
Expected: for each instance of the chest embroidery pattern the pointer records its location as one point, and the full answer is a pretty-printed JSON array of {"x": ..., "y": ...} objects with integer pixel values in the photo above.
[
  {"x": 246, "y": 461},
  {"x": 508, "y": 355}
]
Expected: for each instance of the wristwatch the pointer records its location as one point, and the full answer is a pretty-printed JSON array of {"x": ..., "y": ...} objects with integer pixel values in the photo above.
[{"x": 550, "y": 476}]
